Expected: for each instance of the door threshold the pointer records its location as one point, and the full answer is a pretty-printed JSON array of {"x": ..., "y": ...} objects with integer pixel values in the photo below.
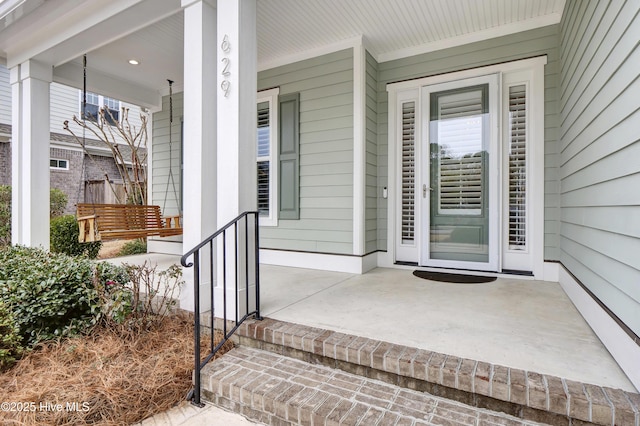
[{"x": 505, "y": 273}]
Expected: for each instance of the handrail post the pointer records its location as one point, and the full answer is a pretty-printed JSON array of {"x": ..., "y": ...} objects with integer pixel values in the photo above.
[
  {"x": 257, "y": 267},
  {"x": 196, "y": 326}
]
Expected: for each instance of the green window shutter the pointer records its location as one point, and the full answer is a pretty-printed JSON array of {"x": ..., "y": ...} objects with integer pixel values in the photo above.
[{"x": 289, "y": 156}]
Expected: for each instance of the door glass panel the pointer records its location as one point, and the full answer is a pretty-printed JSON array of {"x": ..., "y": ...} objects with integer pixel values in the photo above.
[{"x": 459, "y": 207}]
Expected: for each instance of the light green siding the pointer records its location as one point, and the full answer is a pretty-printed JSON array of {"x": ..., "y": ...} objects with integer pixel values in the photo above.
[
  {"x": 371, "y": 155},
  {"x": 5, "y": 96},
  {"x": 325, "y": 85},
  {"x": 599, "y": 165},
  {"x": 162, "y": 191},
  {"x": 542, "y": 41}
]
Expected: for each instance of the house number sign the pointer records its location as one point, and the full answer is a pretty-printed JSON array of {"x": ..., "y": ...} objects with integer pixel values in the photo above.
[{"x": 225, "y": 46}]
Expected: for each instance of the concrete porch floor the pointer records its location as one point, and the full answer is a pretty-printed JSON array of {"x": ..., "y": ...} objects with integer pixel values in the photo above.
[{"x": 525, "y": 324}]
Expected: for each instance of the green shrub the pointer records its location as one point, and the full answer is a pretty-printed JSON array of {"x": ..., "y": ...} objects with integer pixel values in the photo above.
[
  {"x": 57, "y": 205},
  {"x": 5, "y": 215},
  {"x": 57, "y": 202},
  {"x": 64, "y": 238},
  {"x": 115, "y": 296},
  {"x": 10, "y": 347},
  {"x": 53, "y": 295},
  {"x": 133, "y": 247}
]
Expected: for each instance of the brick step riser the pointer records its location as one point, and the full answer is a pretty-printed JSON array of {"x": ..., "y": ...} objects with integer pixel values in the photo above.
[
  {"x": 277, "y": 390},
  {"x": 470, "y": 398},
  {"x": 525, "y": 395}
]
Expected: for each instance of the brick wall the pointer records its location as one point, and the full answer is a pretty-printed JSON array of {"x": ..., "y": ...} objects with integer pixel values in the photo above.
[
  {"x": 5, "y": 163},
  {"x": 71, "y": 181},
  {"x": 98, "y": 167},
  {"x": 68, "y": 181}
]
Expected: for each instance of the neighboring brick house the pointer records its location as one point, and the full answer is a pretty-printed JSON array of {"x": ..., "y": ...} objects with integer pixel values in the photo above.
[{"x": 80, "y": 176}]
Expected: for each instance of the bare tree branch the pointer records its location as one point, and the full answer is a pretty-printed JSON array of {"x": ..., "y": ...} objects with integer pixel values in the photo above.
[{"x": 115, "y": 133}]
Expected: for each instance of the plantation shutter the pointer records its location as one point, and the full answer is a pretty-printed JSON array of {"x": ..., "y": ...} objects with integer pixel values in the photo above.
[
  {"x": 408, "y": 171},
  {"x": 460, "y": 130},
  {"x": 263, "y": 154},
  {"x": 289, "y": 153},
  {"x": 517, "y": 167}
]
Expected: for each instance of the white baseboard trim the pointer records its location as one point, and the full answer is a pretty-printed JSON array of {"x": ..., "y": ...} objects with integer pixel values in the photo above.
[
  {"x": 551, "y": 271},
  {"x": 623, "y": 349},
  {"x": 320, "y": 261},
  {"x": 164, "y": 247}
]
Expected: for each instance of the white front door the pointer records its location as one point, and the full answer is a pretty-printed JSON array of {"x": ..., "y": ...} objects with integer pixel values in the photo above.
[
  {"x": 459, "y": 174},
  {"x": 466, "y": 156}
]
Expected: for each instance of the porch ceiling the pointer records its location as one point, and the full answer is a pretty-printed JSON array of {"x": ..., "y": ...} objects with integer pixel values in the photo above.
[{"x": 288, "y": 30}]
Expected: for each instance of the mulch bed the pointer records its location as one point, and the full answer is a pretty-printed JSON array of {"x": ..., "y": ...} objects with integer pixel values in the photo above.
[{"x": 110, "y": 377}]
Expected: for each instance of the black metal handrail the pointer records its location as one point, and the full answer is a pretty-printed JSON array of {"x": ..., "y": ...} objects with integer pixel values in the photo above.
[{"x": 194, "y": 394}]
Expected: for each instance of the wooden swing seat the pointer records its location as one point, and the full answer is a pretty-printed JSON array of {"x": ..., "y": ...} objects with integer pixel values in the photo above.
[{"x": 103, "y": 222}]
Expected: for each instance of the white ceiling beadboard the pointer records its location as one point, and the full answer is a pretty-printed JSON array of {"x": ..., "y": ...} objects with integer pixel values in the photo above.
[
  {"x": 393, "y": 29},
  {"x": 290, "y": 30}
]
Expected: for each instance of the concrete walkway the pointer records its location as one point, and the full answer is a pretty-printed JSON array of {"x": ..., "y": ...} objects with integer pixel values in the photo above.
[{"x": 190, "y": 415}]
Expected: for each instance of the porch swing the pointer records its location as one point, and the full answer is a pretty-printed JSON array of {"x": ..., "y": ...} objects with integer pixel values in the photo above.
[{"x": 104, "y": 222}]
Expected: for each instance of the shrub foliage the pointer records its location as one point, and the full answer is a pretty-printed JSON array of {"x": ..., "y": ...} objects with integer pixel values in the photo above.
[
  {"x": 57, "y": 204},
  {"x": 10, "y": 340},
  {"x": 52, "y": 295},
  {"x": 64, "y": 238},
  {"x": 132, "y": 247},
  {"x": 5, "y": 215}
]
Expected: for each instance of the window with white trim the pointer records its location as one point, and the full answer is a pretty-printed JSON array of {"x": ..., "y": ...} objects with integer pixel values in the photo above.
[
  {"x": 58, "y": 164},
  {"x": 266, "y": 151},
  {"x": 95, "y": 102}
]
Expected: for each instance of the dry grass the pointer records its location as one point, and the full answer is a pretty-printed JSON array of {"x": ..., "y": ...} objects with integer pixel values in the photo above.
[
  {"x": 110, "y": 249},
  {"x": 121, "y": 377}
]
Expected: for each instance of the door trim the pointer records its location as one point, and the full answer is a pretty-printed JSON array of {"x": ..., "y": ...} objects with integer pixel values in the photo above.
[{"x": 410, "y": 89}]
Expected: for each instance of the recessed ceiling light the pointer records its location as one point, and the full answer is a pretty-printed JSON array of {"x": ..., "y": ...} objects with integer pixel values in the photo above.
[{"x": 134, "y": 62}]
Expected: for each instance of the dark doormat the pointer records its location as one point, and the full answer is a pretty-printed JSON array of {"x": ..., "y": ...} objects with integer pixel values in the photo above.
[{"x": 453, "y": 278}]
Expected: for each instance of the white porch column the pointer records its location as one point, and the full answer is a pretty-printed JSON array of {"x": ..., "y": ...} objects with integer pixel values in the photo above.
[
  {"x": 30, "y": 153},
  {"x": 199, "y": 209},
  {"x": 236, "y": 93}
]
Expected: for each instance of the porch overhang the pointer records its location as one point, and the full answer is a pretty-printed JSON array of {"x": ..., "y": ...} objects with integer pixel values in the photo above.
[{"x": 112, "y": 32}]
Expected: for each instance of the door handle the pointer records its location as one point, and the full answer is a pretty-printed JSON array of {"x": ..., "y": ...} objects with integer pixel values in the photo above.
[{"x": 424, "y": 190}]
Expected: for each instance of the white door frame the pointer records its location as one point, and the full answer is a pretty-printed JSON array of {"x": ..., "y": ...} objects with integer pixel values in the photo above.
[{"x": 398, "y": 253}]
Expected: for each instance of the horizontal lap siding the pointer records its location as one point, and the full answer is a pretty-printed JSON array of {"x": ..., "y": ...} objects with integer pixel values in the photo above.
[
  {"x": 542, "y": 41},
  {"x": 66, "y": 103},
  {"x": 5, "y": 118},
  {"x": 371, "y": 162},
  {"x": 325, "y": 85},
  {"x": 5, "y": 96},
  {"x": 163, "y": 188},
  {"x": 600, "y": 152}
]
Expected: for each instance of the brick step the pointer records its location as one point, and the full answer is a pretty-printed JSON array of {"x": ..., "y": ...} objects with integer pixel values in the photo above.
[
  {"x": 523, "y": 394},
  {"x": 278, "y": 390}
]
